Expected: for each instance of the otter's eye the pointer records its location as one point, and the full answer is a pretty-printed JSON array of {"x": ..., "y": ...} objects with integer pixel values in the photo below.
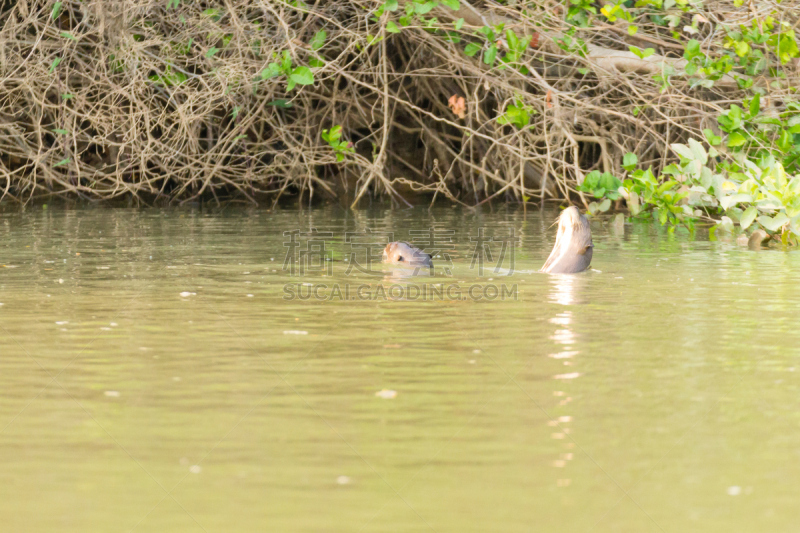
[{"x": 400, "y": 258}]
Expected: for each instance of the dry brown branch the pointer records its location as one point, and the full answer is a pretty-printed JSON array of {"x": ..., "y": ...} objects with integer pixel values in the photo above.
[{"x": 167, "y": 101}]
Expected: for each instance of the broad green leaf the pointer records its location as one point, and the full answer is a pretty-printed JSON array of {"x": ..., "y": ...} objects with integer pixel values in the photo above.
[
  {"x": 458, "y": 24},
  {"x": 452, "y": 4},
  {"x": 683, "y": 151},
  {"x": 390, "y": 5},
  {"x": 471, "y": 49},
  {"x": 211, "y": 51},
  {"x": 755, "y": 105},
  {"x": 490, "y": 54},
  {"x": 424, "y": 8},
  {"x": 773, "y": 223},
  {"x": 391, "y": 27},
  {"x": 54, "y": 64},
  {"x": 748, "y": 217},
  {"x": 671, "y": 170},
  {"x": 68, "y": 35},
  {"x": 302, "y": 76},
  {"x": 511, "y": 38},
  {"x": 318, "y": 40},
  {"x": 736, "y": 139},
  {"x": 667, "y": 185},
  {"x": 56, "y": 10},
  {"x": 734, "y": 199},
  {"x": 272, "y": 70},
  {"x": 629, "y": 161},
  {"x": 712, "y": 139},
  {"x": 698, "y": 151}
]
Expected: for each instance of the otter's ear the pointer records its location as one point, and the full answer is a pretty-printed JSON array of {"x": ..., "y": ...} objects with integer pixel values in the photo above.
[
  {"x": 586, "y": 249},
  {"x": 399, "y": 257}
]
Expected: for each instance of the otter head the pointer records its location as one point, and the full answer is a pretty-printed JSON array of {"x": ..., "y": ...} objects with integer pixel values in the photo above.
[
  {"x": 404, "y": 253},
  {"x": 573, "y": 250}
]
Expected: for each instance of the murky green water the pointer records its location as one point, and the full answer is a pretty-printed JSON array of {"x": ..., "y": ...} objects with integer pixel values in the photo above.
[{"x": 658, "y": 394}]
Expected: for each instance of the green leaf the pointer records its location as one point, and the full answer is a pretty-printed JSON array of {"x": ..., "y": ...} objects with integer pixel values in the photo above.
[
  {"x": 642, "y": 54},
  {"x": 452, "y": 4},
  {"x": 56, "y": 10},
  {"x": 211, "y": 51},
  {"x": 632, "y": 30},
  {"x": 773, "y": 223},
  {"x": 471, "y": 49},
  {"x": 748, "y": 217},
  {"x": 61, "y": 132},
  {"x": 698, "y": 151},
  {"x": 458, "y": 24},
  {"x": 755, "y": 105},
  {"x": 736, "y": 139},
  {"x": 67, "y": 96},
  {"x": 735, "y": 199},
  {"x": 54, "y": 64},
  {"x": 490, "y": 54},
  {"x": 629, "y": 161},
  {"x": 68, "y": 35},
  {"x": 281, "y": 102},
  {"x": 62, "y": 162},
  {"x": 683, "y": 151},
  {"x": 390, "y": 5},
  {"x": 302, "y": 76},
  {"x": 512, "y": 39},
  {"x": 667, "y": 185},
  {"x": 272, "y": 70},
  {"x": 319, "y": 40},
  {"x": 671, "y": 170},
  {"x": 424, "y": 8},
  {"x": 391, "y": 27},
  {"x": 712, "y": 139}
]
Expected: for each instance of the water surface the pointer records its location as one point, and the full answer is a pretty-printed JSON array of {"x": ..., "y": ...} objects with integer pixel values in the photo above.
[{"x": 157, "y": 374}]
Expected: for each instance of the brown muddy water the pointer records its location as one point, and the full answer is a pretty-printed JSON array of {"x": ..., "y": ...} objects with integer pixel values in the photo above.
[{"x": 160, "y": 371}]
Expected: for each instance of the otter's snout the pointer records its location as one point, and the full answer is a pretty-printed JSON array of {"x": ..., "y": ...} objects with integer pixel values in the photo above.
[{"x": 403, "y": 253}]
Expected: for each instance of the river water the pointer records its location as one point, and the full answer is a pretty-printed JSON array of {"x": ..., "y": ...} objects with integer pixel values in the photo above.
[{"x": 233, "y": 370}]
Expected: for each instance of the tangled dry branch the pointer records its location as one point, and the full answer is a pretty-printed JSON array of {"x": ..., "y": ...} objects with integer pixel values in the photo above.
[{"x": 160, "y": 100}]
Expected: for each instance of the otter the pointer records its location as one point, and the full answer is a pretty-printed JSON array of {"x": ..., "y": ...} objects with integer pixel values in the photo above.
[
  {"x": 573, "y": 250},
  {"x": 402, "y": 252}
]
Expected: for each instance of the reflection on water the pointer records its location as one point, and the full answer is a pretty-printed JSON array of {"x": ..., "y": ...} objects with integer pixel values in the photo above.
[{"x": 158, "y": 375}]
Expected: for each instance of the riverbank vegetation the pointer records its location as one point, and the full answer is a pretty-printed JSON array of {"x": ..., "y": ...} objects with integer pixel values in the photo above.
[{"x": 683, "y": 110}]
